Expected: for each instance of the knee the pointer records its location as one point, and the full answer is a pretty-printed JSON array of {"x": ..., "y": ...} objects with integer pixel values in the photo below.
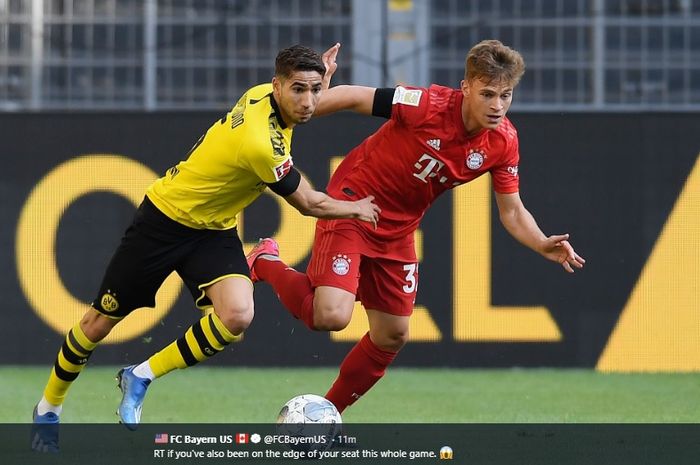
[
  {"x": 96, "y": 326},
  {"x": 393, "y": 340},
  {"x": 331, "y": 316},
  {"x": 236, "y": 317}
]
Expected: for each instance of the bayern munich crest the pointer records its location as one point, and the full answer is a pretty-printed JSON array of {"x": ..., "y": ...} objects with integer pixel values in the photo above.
[
  {"x": 341, "y": 265},
  {"x": 475, "y": 160}
]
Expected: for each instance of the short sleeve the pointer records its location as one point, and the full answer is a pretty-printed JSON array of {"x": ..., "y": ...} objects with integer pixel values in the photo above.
[
  {"x": 270, "y": 165},
  {"x": 409, "y": 105},
  {"x": 505, "y": 175}
]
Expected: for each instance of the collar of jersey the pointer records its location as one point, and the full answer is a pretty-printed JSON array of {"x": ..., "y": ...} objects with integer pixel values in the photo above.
[{"x": 276, "y": 109}]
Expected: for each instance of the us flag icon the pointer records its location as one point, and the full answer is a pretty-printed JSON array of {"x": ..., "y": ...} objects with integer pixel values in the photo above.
[
  {"x": 242, "y": 438},
  {"x": 161, "y": 438}
]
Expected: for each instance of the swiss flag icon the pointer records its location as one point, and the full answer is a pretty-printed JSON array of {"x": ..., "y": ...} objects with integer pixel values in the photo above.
[{"x": 242, "y": 438}]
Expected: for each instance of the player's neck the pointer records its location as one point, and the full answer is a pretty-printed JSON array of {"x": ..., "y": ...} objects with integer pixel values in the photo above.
[
  {"x": 471, "y": 126},
  {"x": 280, "y": 114}
]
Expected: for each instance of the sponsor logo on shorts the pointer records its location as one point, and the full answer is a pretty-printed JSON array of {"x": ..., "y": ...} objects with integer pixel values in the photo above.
[
  {"x": 109, "y": 302},
  {"x": 341, "y": 265}
]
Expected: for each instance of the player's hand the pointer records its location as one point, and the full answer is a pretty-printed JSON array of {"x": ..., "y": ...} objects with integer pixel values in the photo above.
[
  {"x": 558, "y": 249},
  {"x": 368, "y": 210},
  {"x": 328, "y": 58}
]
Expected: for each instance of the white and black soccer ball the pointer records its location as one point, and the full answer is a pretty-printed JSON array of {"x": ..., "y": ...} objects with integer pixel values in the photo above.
[{"x": 311, "y": 419}]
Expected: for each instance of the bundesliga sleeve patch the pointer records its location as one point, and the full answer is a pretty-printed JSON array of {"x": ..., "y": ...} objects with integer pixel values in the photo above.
[
  {"x": 407, "y": 96},
  {"x": 282, "y": 169}
]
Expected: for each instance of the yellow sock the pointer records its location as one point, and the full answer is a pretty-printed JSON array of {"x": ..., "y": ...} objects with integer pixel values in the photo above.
[
  {"x": 202, "y": 340},
  {"x": 71, "y": 360}
]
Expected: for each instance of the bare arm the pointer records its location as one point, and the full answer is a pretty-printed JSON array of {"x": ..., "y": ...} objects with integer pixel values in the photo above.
[
  {"x": 317, "y": 204},
  {"x": 523, "y": 227},
  {"x": 355, "y": 98}
]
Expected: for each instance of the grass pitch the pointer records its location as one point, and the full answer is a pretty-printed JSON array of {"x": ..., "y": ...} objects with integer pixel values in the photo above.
[{"x": 255, "y": 395}]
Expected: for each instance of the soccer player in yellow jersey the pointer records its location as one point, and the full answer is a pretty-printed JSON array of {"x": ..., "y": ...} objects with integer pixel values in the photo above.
[{"x": 187, "y": 223}]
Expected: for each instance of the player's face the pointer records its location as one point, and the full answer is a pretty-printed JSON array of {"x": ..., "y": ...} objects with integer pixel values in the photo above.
[
  {"x": 486, "y": 103},
  {"x": 297, "y": 96}
]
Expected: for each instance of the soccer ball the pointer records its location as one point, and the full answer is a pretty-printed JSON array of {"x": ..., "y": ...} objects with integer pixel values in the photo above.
[{"x": 311, "y": 422}]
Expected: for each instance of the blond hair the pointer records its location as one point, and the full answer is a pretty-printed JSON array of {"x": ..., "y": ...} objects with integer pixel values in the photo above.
[{"x": 491, "y": 61}]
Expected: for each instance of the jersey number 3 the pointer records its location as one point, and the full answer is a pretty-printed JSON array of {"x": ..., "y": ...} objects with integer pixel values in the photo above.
[{"x": 411, "y": 280}]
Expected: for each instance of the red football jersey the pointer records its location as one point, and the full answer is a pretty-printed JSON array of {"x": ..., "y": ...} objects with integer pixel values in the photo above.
[{"x": 418, "y": 154}]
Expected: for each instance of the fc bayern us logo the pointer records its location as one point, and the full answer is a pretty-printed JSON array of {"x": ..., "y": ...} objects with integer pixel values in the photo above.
[
  {"x": 341, "y": 265},
  {"x": 475, "y": 160}
]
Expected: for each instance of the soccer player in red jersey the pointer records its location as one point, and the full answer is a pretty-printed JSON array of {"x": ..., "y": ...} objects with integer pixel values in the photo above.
[{"x": 435, "y": 139}]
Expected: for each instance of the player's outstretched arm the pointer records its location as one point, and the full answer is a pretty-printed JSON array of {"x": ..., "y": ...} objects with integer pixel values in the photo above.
[
  {"x": 354, "y": 98},
  {"x": 310, "y": 202},
  {"x": 522, "y": 226},
  {"x": 359, "y": 99}
]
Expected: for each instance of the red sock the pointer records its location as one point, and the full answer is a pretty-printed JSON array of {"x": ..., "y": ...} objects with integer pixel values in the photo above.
[
  {"x": 293, "y": 288},
  {"x": 364, "y": 365}
]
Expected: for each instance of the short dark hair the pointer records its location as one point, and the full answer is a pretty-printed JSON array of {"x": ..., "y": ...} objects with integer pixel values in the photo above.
[
  {"x": 298, "y": 58},
  {"x": 490, "y": 61}
]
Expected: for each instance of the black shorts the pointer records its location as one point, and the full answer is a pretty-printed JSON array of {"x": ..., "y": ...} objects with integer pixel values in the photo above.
[{"x": 153, "y": 247}]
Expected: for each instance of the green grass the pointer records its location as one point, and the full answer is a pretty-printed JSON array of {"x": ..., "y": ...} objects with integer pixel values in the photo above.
[{"x": 252, "y": 395}]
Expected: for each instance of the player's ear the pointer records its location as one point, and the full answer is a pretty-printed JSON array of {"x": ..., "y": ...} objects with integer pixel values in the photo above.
[
  {"x": 276, "y": 86},
  {"x": 464, "y": 86}
]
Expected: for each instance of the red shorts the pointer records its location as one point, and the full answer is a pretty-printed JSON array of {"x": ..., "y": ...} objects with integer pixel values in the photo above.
[{"x": 383, "y": 275}]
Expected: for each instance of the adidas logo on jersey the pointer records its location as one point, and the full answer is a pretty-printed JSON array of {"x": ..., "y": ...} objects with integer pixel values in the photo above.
[{"x": 434, "y": 143}]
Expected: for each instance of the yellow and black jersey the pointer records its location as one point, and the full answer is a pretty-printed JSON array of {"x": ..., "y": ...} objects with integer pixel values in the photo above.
[{"x": 230, "y": 165}]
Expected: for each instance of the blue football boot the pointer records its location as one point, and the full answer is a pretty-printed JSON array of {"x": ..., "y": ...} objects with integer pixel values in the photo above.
[
  {"x": 44, "y": 432},
  {"x": 133, "y": 391}
]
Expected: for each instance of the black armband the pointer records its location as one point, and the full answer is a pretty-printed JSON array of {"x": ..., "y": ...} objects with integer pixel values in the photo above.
[
  {"x": 383, "y": 99},
  {"x": 288, "y": 184}
]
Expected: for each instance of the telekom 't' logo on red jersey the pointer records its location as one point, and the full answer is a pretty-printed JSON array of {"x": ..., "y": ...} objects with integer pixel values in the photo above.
[{"x": 429, "y": 167}]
